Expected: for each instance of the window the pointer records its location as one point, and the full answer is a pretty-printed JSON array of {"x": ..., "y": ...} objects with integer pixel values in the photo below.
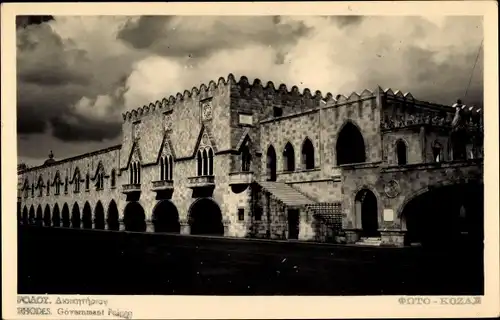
[
  {"x": 40, "y": 187},
  {"x": 288, "y": 158},
  {"x": 100, "y": 181},
  {"x": 205, "y": 162},
  {"x": 32, "y": 190},
  {"x": 307, "y": 155},
  {"x": 113, "y": 178},
  {"x": 48, "y": 187},
  {"x": 241, "y": 214},
  {"x": 135, "y": 173},
  {"x": 171, "y": 168},
  {"x": 162, "y": 169},
  {"x": 58, "y": 183},
  {"x": 258, "y": 213},
  {"x": 66, "y": 185},
  {"x": 436, "y": 151},
  {"x": 246, "y": 158},
  {"x": 401, "y": 152},
  {"x": 277, "y": 112},
  {"x": 350, "y": 145},
  {"x": 87, "y": 182},
  {"x": 76, "y": 181},
  {"x": 166, "y": 168}
]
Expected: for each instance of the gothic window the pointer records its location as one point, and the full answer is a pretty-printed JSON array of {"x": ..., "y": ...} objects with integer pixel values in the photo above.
[
  {"x": 307, "y": 154},
  {"x": 87, "y": 181},
  {"x": 271, "y": 164},
  {"x": 26, "y": 189},
  {"x": 48, "y": 187},
  {"x": 131, "y": 173},
  {"x": 210, "y": 162},
  {"x": 113, "y": 178},
  {"x": 135, "y": 173},
  {"x": 66, "y": 185},
  {"x": 437, "y": 151},
  {"x": 401, "y": 152},
  {"x": 40, "y": 187},
  {"x": 100, "y": 181},
  {"x": 162, "y": 169},
  {"x": 58, "y": 183},
  {"x": 199, "y": 160},
  {"x": 76, "y": 181},
  {"x": 246, "y": 158},
  {"x": 170, "y": 168},
  {"x": 288, "y": 158},
  {"x": 350, "y": 146},
  {"x": 205, "y": 159},
  {"x": 32, "y": 190}
]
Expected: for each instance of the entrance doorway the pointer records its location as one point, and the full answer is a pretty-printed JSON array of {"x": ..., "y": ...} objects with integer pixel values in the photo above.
[
  {"x": 293, "y": 224},
  {"x": 367, "y": 211},
  {"x": 206, "y": 218}
]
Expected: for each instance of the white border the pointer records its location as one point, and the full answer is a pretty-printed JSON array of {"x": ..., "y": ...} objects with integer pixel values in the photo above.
[{"x": 144, "y": 307}]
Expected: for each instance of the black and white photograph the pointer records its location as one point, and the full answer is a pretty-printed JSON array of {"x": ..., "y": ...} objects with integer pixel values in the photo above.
[{"x": 336, "y": 153}]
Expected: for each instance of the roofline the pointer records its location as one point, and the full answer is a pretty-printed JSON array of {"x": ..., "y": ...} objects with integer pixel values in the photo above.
[{"x": 78, "y": 157}]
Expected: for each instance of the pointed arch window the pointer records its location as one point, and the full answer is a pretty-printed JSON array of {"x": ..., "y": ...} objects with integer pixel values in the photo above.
[
  {"x": 76, "y": 181},
  {"x": 66, "y": 183},
  {"x": 113, "y": 178},
  {"x": 48, "y": 187},
  {"x": 162, "y": 169},
  {"x": 288, "y": 158},
  {"x": 271, "y": 164},
  {"x": 57, "y": 182},
  {"x": 100, "y": 181},
  {"x": 246, "y": 158},
  {"x": 308, "y": 155},
  {"x": 205, "y": 162},
  {"x": 32, "y": 190},
  {"x": 135, "y": 173},
  {"x": 170, "y": 168},
  {"x": 437, "y": 149},
  {"x": 401, "y": 152},
  {"x": 87, "y": 182},
  {"x": 40, "y": 187}
]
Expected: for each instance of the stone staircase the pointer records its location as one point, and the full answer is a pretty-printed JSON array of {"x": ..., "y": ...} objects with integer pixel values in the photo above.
[
  {"x": 370, "y": 241},
  {"x": 286, "y": 194}
]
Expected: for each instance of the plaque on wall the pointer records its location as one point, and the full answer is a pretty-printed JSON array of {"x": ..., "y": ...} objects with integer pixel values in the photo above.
[
  {"x": 388, "y": 215},
  {"x": 392, "y": 189}
]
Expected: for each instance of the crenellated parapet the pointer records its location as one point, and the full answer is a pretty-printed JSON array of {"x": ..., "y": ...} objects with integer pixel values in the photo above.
[{"x": 166, "y": 104}]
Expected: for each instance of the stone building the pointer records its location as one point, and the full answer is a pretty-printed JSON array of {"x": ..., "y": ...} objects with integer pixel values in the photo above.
[{"x": 244, "y": 159}]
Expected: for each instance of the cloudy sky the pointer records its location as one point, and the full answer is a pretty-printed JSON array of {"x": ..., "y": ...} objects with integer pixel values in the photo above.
[{"x": 76, "y": 75}]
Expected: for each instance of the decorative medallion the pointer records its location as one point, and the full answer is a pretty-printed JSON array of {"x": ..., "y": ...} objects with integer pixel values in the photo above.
[
  {"x": 206, "y": 109},
  {"x": 392, "y": 189},
  {"x": 167, "y": 122},
  {"x": 204, "y": 139}
]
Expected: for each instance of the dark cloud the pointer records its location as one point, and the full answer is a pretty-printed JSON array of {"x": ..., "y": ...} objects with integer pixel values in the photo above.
[
  {"x": 198, "y": 37},
  {"x": 78, "y": 128},
  {"x": 24, "y": 21}
]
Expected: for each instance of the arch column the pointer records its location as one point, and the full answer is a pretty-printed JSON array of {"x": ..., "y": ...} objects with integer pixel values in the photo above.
[{"x": 185, "y": 227}]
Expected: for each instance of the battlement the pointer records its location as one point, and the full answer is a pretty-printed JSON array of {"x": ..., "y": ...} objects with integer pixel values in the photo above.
[{"x": 244, "y": 89}]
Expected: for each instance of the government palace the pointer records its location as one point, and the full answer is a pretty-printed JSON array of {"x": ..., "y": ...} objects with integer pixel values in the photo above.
[{"x": 242, "y": 159}]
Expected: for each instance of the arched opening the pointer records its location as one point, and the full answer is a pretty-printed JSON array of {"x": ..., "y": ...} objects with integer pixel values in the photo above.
[
  {"x": 288, "y": 158},
  {"x": 246, "y": 158},
  {"x": 367, "y": 211},
  {"x": 401, "y": 152},
  {"x": 162, "y": 169},
  {"x": 99, "y": 220},
  {"x": 131, "y": 173},
  {"x": 113, "y": 217},
  {"x": 205, "y": 162},
  {"x": 307, "y": 155},
  {"x": 350, "y": 146},
  {"x": 205, "y": 218},
  {"x": 134, "y": 217},
  {"x": 56, "y": 218},
  {"x": 39, "y": 216},
  {"x": 210, "y": 162},
  {"x": 271, "y": 164},
  {"x": 199, "y": 162},
  {"x": 31, "y": 217},
  {"x": 437, "y": 150},
  {"x": 25, "y": 218},
  {"x": 46, "y": 216},
  {"x": 87, "y": 216},
  {"x": 65, "y": 216},
  {"x": 87, "y": 181},
  {"x": 75, "y": 217},
  {"x": 113, "y": 178},
  {"x": 446, "y": 216},
  {"x": 170, "y": 168},
  {"x": 166, "y": 217}
]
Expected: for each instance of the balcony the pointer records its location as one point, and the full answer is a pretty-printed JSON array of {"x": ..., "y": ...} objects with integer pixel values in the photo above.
[
  {"x": 240, "y": 178},
  {"x": 131, "y": 188},
  {"x": 163, "y": 185},
  {"x": 201, "y": 182}
]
